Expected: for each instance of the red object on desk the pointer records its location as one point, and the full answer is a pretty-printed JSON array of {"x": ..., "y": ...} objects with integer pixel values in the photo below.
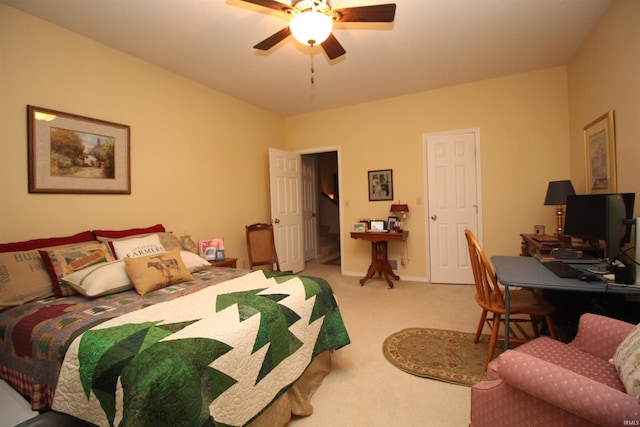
[{"x": 379, "y": 262}]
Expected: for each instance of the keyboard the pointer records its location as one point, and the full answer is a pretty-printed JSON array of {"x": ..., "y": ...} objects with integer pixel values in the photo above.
[{"x": 561, "y": 269}]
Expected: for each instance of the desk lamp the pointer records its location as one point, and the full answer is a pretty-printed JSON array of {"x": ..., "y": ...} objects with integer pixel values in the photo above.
[
  {"x": 398, "y": 208},
  {"x": 557, "y": 193}
]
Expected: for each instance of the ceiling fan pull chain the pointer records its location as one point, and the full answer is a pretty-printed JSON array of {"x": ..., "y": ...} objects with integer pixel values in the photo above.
[{"x": 312, "y": 69}]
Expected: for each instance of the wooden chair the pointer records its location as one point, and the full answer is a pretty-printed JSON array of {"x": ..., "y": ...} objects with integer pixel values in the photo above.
[
  {"x": 261, "y": 246},
  {"x": 491, "y": 299}
]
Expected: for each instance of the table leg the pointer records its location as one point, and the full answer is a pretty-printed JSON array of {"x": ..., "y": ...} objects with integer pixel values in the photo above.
[
  {"x": 374, "y": 265},
  {"x": 380, "y": 264},
  {"x": 507, "y": 314}
]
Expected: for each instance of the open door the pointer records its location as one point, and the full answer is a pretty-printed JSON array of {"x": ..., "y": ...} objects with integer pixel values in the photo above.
[{"x": 286, "y": 208}]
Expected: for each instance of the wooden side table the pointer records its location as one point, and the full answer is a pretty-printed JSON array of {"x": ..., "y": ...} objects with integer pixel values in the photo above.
[
  {"x": 227, "y": 262},
  {"x": 379, "y": 261}
]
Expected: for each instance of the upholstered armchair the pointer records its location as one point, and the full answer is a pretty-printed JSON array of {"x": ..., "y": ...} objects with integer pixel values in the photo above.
[{"x": 549, "y": 383}]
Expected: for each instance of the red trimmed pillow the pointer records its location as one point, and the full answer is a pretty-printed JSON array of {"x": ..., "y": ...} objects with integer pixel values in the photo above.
[
  {"x": 118, "y": 234},
  {"x": 62, "y": 260},
  {"x": 28, "y": 245}
]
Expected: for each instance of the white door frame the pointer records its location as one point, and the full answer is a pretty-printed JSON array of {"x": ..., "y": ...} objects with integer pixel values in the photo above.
[
  {"x": 337, "y": 149},
  {"x": 479, "y": 234}
]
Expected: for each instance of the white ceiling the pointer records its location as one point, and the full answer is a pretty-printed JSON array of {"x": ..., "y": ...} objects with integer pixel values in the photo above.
[{"x": 431, "y": 44}]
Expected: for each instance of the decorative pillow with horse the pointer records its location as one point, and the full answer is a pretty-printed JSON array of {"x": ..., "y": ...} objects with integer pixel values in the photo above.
[{"x": 157, "y": 271}]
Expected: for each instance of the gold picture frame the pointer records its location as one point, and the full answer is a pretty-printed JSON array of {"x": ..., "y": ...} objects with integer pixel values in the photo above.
[
  {"x": 600, "y": 154},
  {"x": 74, "y": 154}
]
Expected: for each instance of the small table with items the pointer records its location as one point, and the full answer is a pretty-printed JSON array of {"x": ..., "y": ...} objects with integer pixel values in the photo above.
[
  {"x": 379, "y": 262},
  {"x": 227, "y": 262}
]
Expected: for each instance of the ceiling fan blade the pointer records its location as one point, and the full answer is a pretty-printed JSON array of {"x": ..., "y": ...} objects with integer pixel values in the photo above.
[
  {"x": 271, "y": 4},
  {"x": 375, "y": 13},
  {"x": 332, "y": 47},
  {"x": 273, "y": 40}
]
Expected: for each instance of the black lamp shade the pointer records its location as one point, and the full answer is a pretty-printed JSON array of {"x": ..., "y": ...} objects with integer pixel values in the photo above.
[{"x": 558, "y": 191}]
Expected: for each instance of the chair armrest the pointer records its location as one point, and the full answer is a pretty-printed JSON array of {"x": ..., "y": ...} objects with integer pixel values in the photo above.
[
  {"x": 567, "y": 390},
  {"x": 600, "y": 335}
]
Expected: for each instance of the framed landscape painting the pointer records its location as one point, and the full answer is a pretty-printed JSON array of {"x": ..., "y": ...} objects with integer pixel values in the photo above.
[{"x": 75, "y": 154}]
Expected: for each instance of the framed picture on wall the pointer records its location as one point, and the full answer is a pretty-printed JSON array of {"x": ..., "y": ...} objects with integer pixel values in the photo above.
[
  {"x": 381, "y": 185},
  {"x": 74, "y": 154},
  {"x": 600, "y": 149}
]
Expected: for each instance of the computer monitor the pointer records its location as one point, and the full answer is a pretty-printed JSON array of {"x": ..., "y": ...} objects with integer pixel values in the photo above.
[{"x": 601, "y": 217}]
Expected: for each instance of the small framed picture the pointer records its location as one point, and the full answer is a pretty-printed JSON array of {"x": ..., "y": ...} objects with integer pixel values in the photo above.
[
  {"x": 380, "y": 185},
  {"x": 391, "y": 222},
  {"x": 377, "y": 226},
  {"x": 359, "y": 227}
]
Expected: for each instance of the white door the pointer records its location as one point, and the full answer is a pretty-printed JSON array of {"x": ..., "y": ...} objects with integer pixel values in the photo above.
[
  {"x": 454, "y": 202},
  {"x": 286, "y": 208},
  {"x": 310, "y": 207}
]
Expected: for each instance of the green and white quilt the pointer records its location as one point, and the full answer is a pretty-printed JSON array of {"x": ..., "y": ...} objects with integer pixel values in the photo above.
[{"x": 216, "y": 357}]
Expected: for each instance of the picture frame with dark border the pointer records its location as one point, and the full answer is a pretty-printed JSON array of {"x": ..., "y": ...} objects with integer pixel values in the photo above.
[
  {"x": 600, "y": 155},
  {"x": 380, "y": 184},
  {"x": 68, "y": 153}
]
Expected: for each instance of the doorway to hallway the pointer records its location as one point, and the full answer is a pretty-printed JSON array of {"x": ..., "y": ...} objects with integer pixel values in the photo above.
[{"x": 321, "y": 206}]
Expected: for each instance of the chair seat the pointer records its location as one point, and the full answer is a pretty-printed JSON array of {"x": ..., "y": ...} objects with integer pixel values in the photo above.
[
  {"x": 574, "y": 359},
  {"x": 522, "y": 301}
]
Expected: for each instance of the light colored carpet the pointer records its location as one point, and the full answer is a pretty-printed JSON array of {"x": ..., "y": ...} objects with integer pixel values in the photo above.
[{"x": 364, "y": 389}]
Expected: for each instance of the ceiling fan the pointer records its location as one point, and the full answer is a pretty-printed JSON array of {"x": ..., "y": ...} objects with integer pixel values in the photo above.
[{"x": 312, "y": 22}]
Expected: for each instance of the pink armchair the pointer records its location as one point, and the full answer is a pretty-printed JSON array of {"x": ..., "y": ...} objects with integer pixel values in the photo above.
[{"x": 548, "y": 383}]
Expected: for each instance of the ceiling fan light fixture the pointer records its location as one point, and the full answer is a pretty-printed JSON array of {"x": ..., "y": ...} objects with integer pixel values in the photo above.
[{"x": 311, "y": 28}]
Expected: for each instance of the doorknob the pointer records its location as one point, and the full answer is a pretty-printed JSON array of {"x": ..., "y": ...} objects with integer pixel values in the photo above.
[
  {"x": 434, "y": 217},
  {"x": 276, "y": 221}
]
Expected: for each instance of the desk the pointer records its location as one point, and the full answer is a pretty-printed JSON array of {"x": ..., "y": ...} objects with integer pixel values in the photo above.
[
  {"x": 528, "y": 272},
  {"x": 379, "y": 262}
]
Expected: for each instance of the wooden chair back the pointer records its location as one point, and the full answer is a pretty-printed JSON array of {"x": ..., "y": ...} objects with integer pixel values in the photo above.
[
  {"x": 261, "y": 247},
  {"x": 488, "y": 293}
]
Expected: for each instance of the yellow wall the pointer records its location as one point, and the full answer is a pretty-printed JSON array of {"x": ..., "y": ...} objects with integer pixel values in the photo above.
[
  {"x": 524, "y": 142},
  {"x": 200, "y": 162},
  {"x": 199, "y": 158},
  {"x": 605, "y": 75}
]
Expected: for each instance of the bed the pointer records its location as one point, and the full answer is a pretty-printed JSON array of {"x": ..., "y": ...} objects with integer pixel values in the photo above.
[{"x": 218, "y": 346}]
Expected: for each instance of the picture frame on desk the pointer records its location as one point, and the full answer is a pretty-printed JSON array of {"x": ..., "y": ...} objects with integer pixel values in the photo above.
[
  {"x": 359, "y": 227},
  {"x": 392, "y": 223},
  {"x": 600, "y": 150},
  {"x": 212, "y": 249}
]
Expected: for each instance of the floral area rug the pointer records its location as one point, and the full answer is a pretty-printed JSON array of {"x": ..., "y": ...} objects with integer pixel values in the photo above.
[{"x": 438, "y": 354}]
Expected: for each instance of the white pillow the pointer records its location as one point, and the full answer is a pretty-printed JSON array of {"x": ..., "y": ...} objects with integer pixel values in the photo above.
[
  {"x": 101, "y": 279},
  {"x": 193, "y": 261},
  {"x": 627, "y": 362},
  {"x": 137, "y": 247}
]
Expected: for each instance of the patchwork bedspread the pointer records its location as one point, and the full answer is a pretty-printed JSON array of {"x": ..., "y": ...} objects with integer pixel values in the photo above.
[
  {"x": 217, "y": 357},
  {"x": 34, "y": 337}
]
